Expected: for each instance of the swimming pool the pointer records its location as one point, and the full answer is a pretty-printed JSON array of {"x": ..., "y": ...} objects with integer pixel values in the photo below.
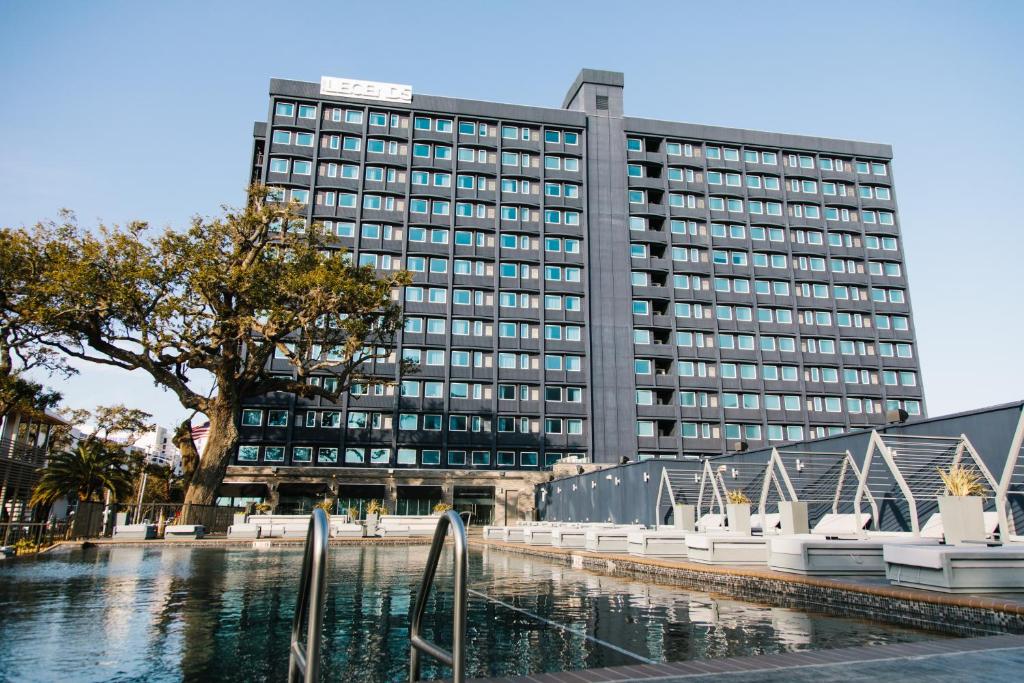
[{"x": 178, "y": 613}]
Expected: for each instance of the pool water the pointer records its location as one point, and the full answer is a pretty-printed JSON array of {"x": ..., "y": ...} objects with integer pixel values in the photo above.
[{"x": 218, "y": 614}]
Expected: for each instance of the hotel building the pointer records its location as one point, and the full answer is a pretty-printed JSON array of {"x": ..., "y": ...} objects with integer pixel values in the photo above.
[{"x": 587, "y": 286}]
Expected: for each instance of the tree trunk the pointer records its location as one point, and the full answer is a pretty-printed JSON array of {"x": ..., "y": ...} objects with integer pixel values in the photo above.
[{"x": 220, "y": 447}]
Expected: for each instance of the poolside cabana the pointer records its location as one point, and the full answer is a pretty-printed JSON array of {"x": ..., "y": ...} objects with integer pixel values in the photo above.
[
  {"x": 820, "y": 485},
  {"x": 974, "y": 567},
  {"x": 734, "y": 544},
  {"x": 687, "y": 495},
  {"x": 824, "y": 534},
  {"x": 901, "y": 473}
]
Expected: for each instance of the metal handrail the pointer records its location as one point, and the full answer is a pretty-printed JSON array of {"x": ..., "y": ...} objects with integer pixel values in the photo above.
[
  {"x": 456, "y": 659},
  {"x": 304, "y": 658}
]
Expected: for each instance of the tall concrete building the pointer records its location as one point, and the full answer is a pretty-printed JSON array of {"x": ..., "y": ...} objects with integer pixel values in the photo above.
[{"x": 587, "y": 286}]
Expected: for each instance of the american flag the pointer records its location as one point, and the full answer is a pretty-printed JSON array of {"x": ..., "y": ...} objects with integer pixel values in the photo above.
[{"x": 201, "y": 432}]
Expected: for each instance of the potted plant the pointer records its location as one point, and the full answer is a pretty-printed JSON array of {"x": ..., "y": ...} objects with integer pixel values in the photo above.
[
  {"x": 353, "y": 514},
  {"x": 961, "y": 505},
  {"x": 262, "y": 508},
  {"x": 738, "y": 511},
  {"x": 441, "y": 508},
  {"x": 374, "y": 509}
]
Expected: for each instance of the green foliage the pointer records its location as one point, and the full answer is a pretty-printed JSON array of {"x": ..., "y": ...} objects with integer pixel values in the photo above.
[
  {"x": 262, "y": 508},
  {"x": 442, "y": 507},
  {"x": 326, "y": 505},
  {"x": 85, "y": 472},
  {"x": 353, "y": 513},
  {"x": 375, "y": 507},
  {"x": 21, "y": 337},
  {"x": 213, "y": 301}
]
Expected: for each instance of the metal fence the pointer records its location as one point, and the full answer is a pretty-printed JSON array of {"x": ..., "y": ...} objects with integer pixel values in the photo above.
[
  {"x": 216, "y": 518},
  {"x": 37, "y": 535}
]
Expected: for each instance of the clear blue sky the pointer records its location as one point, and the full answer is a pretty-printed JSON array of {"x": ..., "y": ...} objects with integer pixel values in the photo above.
[{"x": 144, "y": 110}]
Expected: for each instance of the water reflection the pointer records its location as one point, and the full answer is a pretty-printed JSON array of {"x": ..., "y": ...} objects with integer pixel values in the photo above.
[{"x": 203, "y": 614}]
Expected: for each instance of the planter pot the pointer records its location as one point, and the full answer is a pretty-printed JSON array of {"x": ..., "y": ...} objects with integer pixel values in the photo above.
[
  {"x": 371, "y": 523},
  {"x": 963, "y": 519},
  {"x": 684, "y": 517},
  {"x": 738, "y": 517},
  {"x": 794, "y": 517}
]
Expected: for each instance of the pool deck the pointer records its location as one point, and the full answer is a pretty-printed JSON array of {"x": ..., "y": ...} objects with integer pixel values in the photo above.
[
  {"x": 980, "y": 656},
  {"x": 962, "y": 659},
  {"x": 868, "y": 597}
]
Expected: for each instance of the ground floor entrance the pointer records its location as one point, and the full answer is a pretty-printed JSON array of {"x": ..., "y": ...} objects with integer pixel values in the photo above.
[{"x": 478, "y": 501}]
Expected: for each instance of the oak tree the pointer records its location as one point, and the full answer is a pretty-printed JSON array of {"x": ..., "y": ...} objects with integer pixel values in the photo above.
[{"x": 215, "y": 304}]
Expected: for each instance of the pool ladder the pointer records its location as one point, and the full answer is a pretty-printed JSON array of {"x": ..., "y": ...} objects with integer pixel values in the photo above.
[
  {"x": 304, "y": 658},
  {"x": 456, "y": 659}
]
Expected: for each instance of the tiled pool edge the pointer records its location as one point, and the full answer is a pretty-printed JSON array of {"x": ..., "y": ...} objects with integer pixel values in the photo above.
[
  {"x": 215, "y": 542},
  {"x": 961, "y": 615},
  {"x": 903, "y": 655}
]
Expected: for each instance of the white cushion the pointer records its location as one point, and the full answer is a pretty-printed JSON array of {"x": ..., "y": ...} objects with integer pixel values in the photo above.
[
  {"x": 711, "y": 521},
  {"x": 835, "y": 524},
  {"x": 698, "y": 541}
]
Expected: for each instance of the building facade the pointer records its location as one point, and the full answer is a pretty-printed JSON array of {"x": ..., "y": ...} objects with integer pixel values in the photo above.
[{"x": 587, "y": 285}]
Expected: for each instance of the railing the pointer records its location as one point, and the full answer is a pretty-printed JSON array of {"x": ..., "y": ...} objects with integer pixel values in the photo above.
[
  {"x": 38, "y": 534},
  {"x": 456, "y": 659},
  {"x": 20, "y": 451},
  {"x": 304, "y": 659}
]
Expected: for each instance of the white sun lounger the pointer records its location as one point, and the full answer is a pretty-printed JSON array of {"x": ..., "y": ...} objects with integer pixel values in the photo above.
[
  {"x": 956, "y": 569},
  {"x": 135, "y": 532},
  {"x": 569, "y": 537},
  {"x": 726, "y": 548},
  {"x": 184, "y": 532},
  {"x": 836, "y": 525},
  {"x": 665, "y": 542},
  {"x": 607, "y": 540},
  {"x": 346, "y": 530},
  {"x": 933, "y": 526},
  {"x": 537, "y": 535},
  {"x": 814, "y": 554},
  {"x": 711, "y": 522}
]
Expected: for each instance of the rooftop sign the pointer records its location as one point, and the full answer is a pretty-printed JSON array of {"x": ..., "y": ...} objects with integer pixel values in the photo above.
[{"x": 367, "y": 90}]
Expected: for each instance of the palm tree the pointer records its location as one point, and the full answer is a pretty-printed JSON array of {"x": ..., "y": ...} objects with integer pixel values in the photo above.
[{"x": 84, "y": 472}]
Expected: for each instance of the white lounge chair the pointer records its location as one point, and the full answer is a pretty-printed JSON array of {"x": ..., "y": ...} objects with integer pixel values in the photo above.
[
  {"x": 135, "y": 532},
  {"x": 815, "y": 554},
  {"x": 244, "y": 531},
  {"x": 184, "y": 532},
  {"x": 772, "y": 520},
  {"x": 835, "y": 525},
  {"x": 933, "y": 526},
  {"x": 347, "y": 530},
  {"x": 711, "y": 522},
  {"x": 726, "y": 548},
  {"x": 607, "y": 539},
  {"x": 956, "y": 569},
  {"x": 537, "y": 535},
  {"x": 663, "y": 542},
  {"x": 569, "y": 537}
]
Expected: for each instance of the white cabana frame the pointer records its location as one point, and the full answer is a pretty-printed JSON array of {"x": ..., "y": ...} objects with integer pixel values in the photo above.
[
  {"x": 1011, "y": 485},
  {"x": 688, "y": 487},
  {"x": 912, "y": 464},
  {"x": 821, "y": 478}
]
